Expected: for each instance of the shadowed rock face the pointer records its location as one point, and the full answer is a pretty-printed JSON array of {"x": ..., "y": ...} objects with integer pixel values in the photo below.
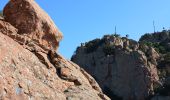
[
  {"x": 33, "y": 22},
  {"x": 120, "y": 67},
  {"x": 30, "y": 69}
]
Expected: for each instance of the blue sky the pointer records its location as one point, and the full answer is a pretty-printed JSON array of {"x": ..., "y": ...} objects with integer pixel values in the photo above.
[{"x": 84, "y": 20}]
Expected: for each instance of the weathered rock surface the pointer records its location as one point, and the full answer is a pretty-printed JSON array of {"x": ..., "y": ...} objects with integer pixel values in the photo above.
[
  {"x": 161, "y": 42},
  {"x": 29, "y": 69},
  {"x": 24, "y": 76},
  {"x": 120, "y": 67},
  {"x": 32, "y": 22}
]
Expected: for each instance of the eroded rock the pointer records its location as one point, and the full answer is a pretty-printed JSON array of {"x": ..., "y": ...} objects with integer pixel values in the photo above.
[
  {"x": 32, "y": 74},
  {"x": 30, "y": 68},
  {"x": 33, "y": 22}
]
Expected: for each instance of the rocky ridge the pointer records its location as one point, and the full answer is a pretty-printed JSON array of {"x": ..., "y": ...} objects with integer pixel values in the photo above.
[
  {"x": 123, "y": 68},
  {"x": 30, "y": 68}
]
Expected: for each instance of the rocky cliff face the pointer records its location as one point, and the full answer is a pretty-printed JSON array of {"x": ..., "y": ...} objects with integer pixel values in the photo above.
[
  {"x": 161, "y": 42},
  {"x": 29, "y": 66},
  {"x": 123, "y": 68}
]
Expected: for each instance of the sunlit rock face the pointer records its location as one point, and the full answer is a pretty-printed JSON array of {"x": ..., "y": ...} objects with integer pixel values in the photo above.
[
  {"x": 33, "y": 22},
  {"x": 30, "y": 67}
]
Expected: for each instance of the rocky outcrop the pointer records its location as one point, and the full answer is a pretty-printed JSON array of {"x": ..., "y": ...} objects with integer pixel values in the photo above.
[
  {"x": 30, "y": 69},
  {"x": 31, "y": 21},
  {"x": 120, "y": 66},
  {"x": 161, "y": 42}
]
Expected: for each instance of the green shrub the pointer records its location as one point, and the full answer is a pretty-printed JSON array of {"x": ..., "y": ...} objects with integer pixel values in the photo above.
[
  {"x": 158, "y": 47},
  {"x": 109, "y": 49},
  {"x": 146, "y": 37},
  {"x": 92, "y": 45}
]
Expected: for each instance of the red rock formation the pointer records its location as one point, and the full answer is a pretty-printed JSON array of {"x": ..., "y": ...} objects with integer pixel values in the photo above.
[
  {"x": 29, "y": 66},
  {"x": 33, "y": 22}
]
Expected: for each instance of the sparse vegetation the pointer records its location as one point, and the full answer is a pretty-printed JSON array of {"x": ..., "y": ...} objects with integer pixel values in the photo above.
[
  {"x": 92, "y": 45},
  {"x": 109, "y": 49},
  {"x": 161, "y": 42},
  {"x": 116, "y": 35},
  {"x": 158, "y": 47},
  {"x": 156, "y": 37},
  {"x": 145, "y": 37}
]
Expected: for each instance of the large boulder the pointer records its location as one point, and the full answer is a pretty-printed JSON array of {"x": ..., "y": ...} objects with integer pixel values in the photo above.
[
  {"x": 122, "y": 71},
  {"x": 33, "y": 22},
  {"x": 30, "y": 69}
]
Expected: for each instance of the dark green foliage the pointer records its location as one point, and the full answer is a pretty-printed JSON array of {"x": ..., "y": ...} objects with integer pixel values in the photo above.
[
  {"x": 156, "y": 37},
  {"x": 158, "y": 47},
  {"x": 109, "y": 49},
  {"x": 92, "y": 45},
  {"x": 146, "y": 36}
]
